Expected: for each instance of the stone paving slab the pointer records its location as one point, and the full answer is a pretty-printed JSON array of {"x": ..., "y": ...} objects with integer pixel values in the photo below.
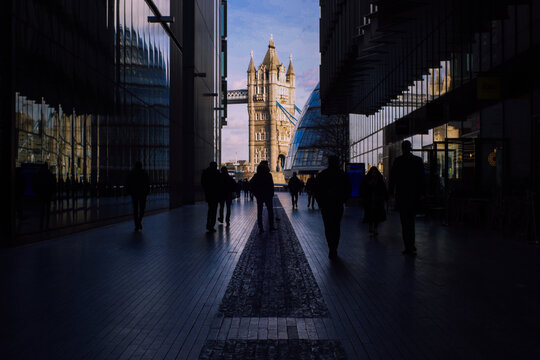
[{"x": 273, "y": 349}]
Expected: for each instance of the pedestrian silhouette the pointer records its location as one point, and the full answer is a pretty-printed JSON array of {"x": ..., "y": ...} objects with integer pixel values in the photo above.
[
  {"x": 44, "y": 186},
  {"x": 227, "y": 189},
  {"x": 211, "y": 183},
  {"x": 332, "y": 189},
  {"x": 138, "y": 186},
  {"x": 294, "y": 187},
  {"x": 262, "y": 186},
  {"x": 407, "y": 183},
  {"x": 310, "y": 190},
  {"x": 374, "y": 196}
]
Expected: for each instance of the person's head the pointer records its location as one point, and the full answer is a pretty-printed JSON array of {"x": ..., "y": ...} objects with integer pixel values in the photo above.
[
  {"x": 294, "y": 174},
  {"x": 406, "y": 147},
  {"x": 138, "y": 165},
  {"x": 333, "y": 162},
  {"x": 224, "y": 170},
  {"x": 373, "y": 172},
  {"x": 213, "y": 165}
]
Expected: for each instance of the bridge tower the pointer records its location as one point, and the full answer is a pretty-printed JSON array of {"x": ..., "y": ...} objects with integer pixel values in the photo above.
[{"x": 269, "y": 129}]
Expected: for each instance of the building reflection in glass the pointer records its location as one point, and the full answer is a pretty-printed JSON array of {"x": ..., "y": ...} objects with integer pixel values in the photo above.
[{"x": 97, "y": 103}]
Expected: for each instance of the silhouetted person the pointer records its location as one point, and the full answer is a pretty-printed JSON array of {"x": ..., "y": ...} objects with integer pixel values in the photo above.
[
  {"x": 138, "y": 186},
  {"x": 407, "y": 184},
  {"x": 332, "y": 189},
  {"x": 211, "y": 183},
  {"x": 228, "y": 188},
  {"x": 44, "y": 187},
  {"x": 262, "y": 186},
  {"x": 294, "y": 187},
  {"x": 374, "y": 196},
  {"x": 310, "y": 189}
]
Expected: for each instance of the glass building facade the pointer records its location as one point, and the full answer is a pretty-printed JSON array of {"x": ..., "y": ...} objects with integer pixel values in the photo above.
[
  {"x": 91, "y": 90},
  {"x": 459, "y": 80},
  {"x": 315, "y": 137}
]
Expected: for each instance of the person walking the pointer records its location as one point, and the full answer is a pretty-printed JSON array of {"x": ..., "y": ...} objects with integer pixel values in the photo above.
[
  {"x": 45, "y": 187},
  {"x": 332, "y": 190},
  {"x": 227, "y": 188},
  {"x": 374, "y": 196},
  {"x": 294, "y": 187},
  {"x": 211, "y": 183},
  {"x": 407, "y": 184},
  {"x": 262, "y": 186},
  {"x": 138, "y": 186},
  {"x": 310, "y": 190}
]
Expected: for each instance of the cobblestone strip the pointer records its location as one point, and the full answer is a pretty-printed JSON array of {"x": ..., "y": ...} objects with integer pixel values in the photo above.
[{"x": 273, "y": 277}]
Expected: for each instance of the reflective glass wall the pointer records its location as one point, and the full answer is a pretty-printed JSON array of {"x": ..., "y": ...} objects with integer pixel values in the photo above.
[
  {"x": 316, "y": 136},
  {"x": 468, "y": 116},
  {"x": 92, "y": 82}
]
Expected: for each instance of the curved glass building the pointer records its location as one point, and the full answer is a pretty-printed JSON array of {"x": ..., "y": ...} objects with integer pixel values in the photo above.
[{"x": 306, "y": 155}]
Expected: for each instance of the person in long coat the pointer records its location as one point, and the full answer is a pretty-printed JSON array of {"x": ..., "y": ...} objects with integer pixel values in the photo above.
[
  {"x": 262, "y": 186},
  {"x": 332, "y": 189},
  {"x": 228, "y": 188},
  {"x": 374, "y": 196},
  {"x": 408, "y": 184},
  {"x": 294, "y": 186},
  {"x": 310, "y": 190},
  {"x": 138, "y": 186},
  {"x": 211, "y": 183}
]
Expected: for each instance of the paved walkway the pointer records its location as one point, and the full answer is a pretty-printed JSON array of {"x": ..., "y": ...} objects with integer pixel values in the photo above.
[{"x": 170, "y": 291}]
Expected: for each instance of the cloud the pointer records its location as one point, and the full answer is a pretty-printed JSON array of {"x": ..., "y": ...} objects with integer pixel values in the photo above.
[{"x": 309, "y": 78}]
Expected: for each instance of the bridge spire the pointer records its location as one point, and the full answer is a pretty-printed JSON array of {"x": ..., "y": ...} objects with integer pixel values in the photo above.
[{"x": 251, "y": 67}]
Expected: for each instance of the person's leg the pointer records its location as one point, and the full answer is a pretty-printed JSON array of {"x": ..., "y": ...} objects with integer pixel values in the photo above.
[
  {"x": 260, "y": 204},
  {"x": 214, "y": 214},
  {"x": 295, "y": 200},
  {"x": 327, "y": 221},
  {"x": 270, "y": 208},
  {"x": 228, "y": 218},
  {"x": 211, "y": 215},
  {"x": 142, "y": 206},
  {"x": 292, "y": 200},
  {"x": 135, "y": 202},
  {"x": 221, "y": 206},
  {"x": 412, "y": 230},
  {"x": 407, "y": 228},
  {"x": 336, "y": 227}
]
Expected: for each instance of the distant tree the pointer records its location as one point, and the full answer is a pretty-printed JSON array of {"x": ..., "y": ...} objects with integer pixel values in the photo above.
[{"x": 333, "y": 137}]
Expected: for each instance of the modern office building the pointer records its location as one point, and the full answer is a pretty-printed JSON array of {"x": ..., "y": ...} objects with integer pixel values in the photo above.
[
  {"x": 313, "y": 134},
  {"x": 459, "y": 79},
  {"x": 92, "y": 87}
]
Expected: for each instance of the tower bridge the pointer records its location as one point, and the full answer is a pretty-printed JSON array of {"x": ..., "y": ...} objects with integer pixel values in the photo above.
[{"x": 270, "y": 97}]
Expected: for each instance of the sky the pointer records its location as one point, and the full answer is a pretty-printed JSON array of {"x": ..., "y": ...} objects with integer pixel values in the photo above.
[{"x": 295, "y": 27}]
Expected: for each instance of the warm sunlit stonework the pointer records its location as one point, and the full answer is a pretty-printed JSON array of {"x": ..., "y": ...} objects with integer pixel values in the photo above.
[{"x": 269, "y": 129}]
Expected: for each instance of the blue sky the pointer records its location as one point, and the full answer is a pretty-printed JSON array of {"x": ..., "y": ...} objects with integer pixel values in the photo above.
[{"x": 295, "y": 26}]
